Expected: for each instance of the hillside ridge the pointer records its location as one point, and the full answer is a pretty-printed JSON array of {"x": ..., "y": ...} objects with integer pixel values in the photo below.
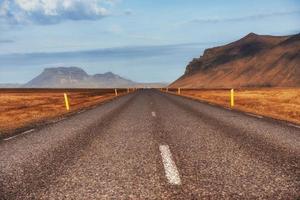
[{"x": 252, "y": 61}]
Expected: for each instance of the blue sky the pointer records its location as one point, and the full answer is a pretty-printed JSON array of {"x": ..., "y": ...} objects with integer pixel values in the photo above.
[{"x": 146, "y": 41}]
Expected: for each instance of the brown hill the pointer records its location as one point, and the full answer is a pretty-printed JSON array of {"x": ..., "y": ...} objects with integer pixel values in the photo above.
[{"x": 253, "y": 61}]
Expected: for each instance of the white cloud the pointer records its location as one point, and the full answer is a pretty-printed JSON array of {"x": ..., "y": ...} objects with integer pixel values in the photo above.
[
  {"x": 6, "y": 41},
  {"x": 4, "y": 7},
  {"x": 53, "y": 11}
]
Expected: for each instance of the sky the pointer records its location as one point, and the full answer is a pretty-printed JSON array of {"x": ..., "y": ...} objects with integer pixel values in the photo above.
[{"x": 145, "y": 41}]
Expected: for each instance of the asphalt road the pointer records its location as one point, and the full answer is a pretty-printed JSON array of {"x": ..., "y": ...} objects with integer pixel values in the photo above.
[{"x": 152, "y": 145}]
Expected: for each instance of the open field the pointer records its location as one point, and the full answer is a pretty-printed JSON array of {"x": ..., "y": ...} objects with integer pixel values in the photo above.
[
  {"x": 22, "y": 108},
  {"x": 278, "y": 103}
]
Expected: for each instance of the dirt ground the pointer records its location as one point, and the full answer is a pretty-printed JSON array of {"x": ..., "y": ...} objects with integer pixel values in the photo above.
[
  {"x": 279, "y": 103},
  {"x": 23, "y": 108}
]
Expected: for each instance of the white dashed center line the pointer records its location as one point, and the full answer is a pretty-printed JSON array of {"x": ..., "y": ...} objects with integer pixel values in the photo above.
[
  {"x": 171, "y": 171},
  {"x": 153, "y": 114}
]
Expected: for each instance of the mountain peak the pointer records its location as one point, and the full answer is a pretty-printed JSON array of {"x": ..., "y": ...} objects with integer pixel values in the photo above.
[
  {"x": 266, "y": 39},
  {"x": 65, "y": 70},
  {"x": 252, "y": 35},
  {"x": 106, "y": 75}
]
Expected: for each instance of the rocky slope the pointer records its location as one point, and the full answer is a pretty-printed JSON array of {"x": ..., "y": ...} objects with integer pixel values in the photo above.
[{"x": 253, "y": 61}]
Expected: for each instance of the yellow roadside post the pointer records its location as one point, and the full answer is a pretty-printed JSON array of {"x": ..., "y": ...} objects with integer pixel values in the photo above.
[
  {"x": 232, "y": 97},
  {"x": 178, "y": 90},
  {"x": 66, "y": 101},
  {"x": 116, "y": 92}
]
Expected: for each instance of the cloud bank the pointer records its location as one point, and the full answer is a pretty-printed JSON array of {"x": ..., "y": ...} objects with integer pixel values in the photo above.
[
  {"x": 45, "y": 12},
  {"x": 140, "y": 63},
  {"x": 243, "y": 18},
  {"x": 6, "y": 41}
]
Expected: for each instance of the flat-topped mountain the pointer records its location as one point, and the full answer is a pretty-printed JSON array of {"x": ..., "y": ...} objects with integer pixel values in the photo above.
[
  {"x": 253, "y": 61},
  {"x": 74, "y": 77}
]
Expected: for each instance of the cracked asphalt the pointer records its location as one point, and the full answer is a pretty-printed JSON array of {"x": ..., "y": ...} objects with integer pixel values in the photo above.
[{"x": 113, "y": 152}]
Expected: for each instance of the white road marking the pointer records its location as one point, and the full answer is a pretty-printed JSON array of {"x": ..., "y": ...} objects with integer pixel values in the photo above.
[
  {"x": 81, "y": 111},
  {"x": 294, "y": 125},
  {"x": 254, "y": 115},
  {"x": 171, "y": 171},
  {"x": 12, "y": 137},
  {"x": 153, "y": 114}
]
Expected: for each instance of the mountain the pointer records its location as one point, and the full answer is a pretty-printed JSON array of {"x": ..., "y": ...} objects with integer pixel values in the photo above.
[
  {"x": 253, "y": 61},
  {"x": 74, "y": 77},
  {"x": 10, "y": 85}
]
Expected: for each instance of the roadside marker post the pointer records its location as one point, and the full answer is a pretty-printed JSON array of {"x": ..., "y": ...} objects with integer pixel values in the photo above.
[
  {"x": 127, "y": 90},
  {"x": 179, "y": 90},
  {"x": 231, "y": 97},
  {"x": 167, "y": 89},
  {"x": 116, "y": 92},
  {"x": 67, "y": 101}
]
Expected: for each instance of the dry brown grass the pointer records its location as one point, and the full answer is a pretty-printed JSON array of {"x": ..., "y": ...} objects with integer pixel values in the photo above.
[
  {"x": 279, "y": 103},
  {"x": 23, "y": 108}
]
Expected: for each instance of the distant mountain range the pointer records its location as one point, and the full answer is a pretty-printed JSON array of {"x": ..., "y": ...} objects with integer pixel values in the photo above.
[
  {"x": 69, "y": 77},
  {"x": 75, "y": 77},
  {"x": 253, "y": 61}
]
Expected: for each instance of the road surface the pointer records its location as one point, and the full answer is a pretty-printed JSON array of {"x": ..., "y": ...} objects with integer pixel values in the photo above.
[{"x": 153, "y": 145}]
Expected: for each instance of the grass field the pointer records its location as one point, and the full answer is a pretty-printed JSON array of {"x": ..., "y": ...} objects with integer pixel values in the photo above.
[
  {"x": 23, "y": 108},
  {"x": 279, "y": 103}
]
